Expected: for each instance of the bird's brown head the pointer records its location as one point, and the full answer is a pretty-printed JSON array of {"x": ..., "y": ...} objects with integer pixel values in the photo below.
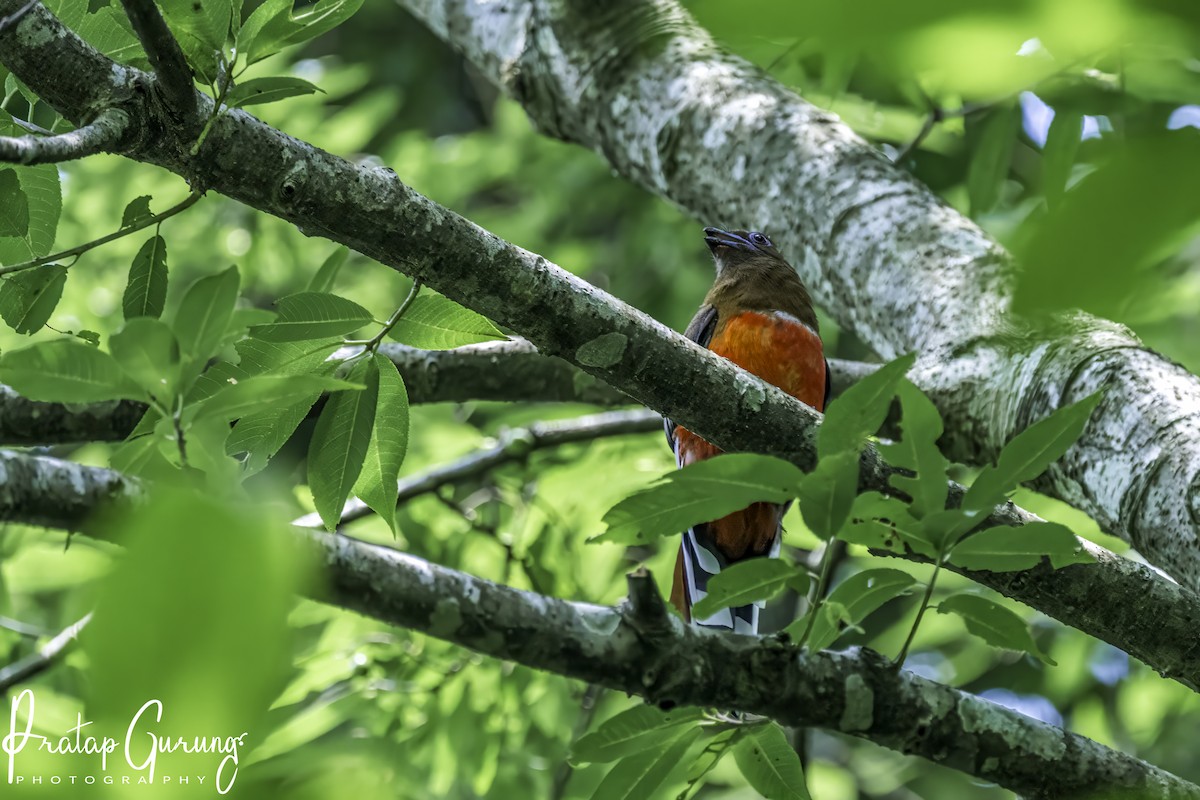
[{"x": 752, "y": 274}]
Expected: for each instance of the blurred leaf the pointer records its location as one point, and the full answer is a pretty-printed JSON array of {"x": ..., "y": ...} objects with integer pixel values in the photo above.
[
  {"x": 203, "y": 315},
  {"x": 29, "y": 297},
  {"x": 261, "y": 393},
  {"x": 433, "y": 322},
  {"x": 917, "y": 450},
  {"x": 326, "y": 276},
  {"x": 137, "y": 210},
  {"x": 827, "y": 493},
  {"x": 1058, "y": 156},
  {"x": 376, "y": 484},
  {"x": 991, "y": 157},
  {"x": 1004, "y": 549},
  {"x": 1029, "y": 454},
  {"x": 147, "y": 352},
  {"x": 630, "y": 732},
  {"x": 1094, "y": 249},
  {"x": 268, "y": 90},
  {"x": 749, "y": 581},
  {"x": 700, "y": 492},
  {"x": 995, "y": 624},
  {"x": 861, "y": 409},
  {"x": 14, "y": 205},
  {"x": 65, "y": 371},
  {"x": 146, "y": 290},
  {"x": 340, "y": 441},
  {"x": 638, "y": 777},
  {"x": 859, "y": 595},
  {"x": 770, "y": 765},
  {"x": 313, "y": 315}
]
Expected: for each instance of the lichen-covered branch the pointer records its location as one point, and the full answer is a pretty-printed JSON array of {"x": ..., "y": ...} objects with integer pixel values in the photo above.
[
  {"x": 514, "y": 445},
  {"x": 650, "y": 91},
  {"x": 371, "y": 210},
  {"x": 36, "y": 490},
  {"x": 174, "y": 77},
  {"x": 103, "y": 134},
  {"x": 638, "y": 648}
]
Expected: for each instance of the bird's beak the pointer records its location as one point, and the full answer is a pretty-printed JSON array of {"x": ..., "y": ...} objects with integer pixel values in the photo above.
[{"x": 716, "y": 238}]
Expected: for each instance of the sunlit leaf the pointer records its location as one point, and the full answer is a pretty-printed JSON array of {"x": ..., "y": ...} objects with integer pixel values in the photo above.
[
  {"x": 433, "y": 322},
  {"x": 859, "y": 595},
  {"x": 917, "y": 450},
  {"x": 268, "y": 90},
  {"x": 861, "y": 409},
  {"x": 65, "y": 371},
  {"x": 313, "y": 315},
  {"x": 340, "y": 441},
  {"x": 273, "y": 26},
  {"x": 260, "y": 393},
  {"x": 376, "y": 485},
  {"x": 749, "y": 581}
]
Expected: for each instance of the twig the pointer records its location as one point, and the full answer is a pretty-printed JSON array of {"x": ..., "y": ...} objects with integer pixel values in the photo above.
[
  {"x": 166, "y": 56},
  {"x": 373, "y": 344},
  {"x": 23, "y": 628},
  {"x": 78, "y": 250},
  {"x": 41, "y": 659},
  {"x": 102, "y": 135},
  {"x": 513, "y": 446}
]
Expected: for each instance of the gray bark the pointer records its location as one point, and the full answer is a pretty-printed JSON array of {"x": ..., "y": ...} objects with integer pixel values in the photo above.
[
  {"x": 102, "y": 135},
  {"x": 641, "y": 84},
  {"x": 372, "y": 211}
]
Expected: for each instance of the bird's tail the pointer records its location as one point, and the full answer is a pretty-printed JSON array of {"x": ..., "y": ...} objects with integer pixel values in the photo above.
[{"x": 699, "y": 560}]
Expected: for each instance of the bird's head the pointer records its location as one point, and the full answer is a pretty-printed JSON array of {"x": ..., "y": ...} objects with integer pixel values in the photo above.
[{"x": 736, "y": 250}]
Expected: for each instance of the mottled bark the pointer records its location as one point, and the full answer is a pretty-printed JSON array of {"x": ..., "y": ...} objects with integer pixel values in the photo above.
[
  {"x": 641, "y": 84},
  {"x": 371, "y": 210},
  {"x": 103, "y": 134},
  {"x": 638, "y": 648}
]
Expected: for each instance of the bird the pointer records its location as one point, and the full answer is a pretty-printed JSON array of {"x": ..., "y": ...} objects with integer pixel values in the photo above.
[{"x": 759, "y": 315}]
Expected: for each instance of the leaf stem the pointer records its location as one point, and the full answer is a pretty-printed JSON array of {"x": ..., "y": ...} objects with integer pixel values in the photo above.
[
  {"x": 79, "y": 250},
  {"x": 912, "y": 634},
  {"x": 373, "y": 343},
  {"x": 827, "y": 561}
]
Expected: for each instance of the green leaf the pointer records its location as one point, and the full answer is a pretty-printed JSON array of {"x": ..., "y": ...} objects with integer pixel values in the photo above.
[
  {"x": 991, "y": 158},
  {"x": 327, "y": 275},
  {"x": 826, "y": 494},
  {"x": 630, "y": 732},
  {"x": 638, "y": 777},
  {"x": 700, "y": 492},
  {"x": 272, "y": 26},
  {"x": 29, "y": 297},
  {"x": 861, "y": 409},
  {"x": 14, "y": 205},
  {"x": 433, "y": 322},
  {"x": 206, "y": 21},
  {"x": 917, "y": 450},
  {"x": 340, "y": 441},
  {"x": 261, "y": 393},
  {"x": 108, "y": 30},
  {"x": 268, "y": 90},
  {"x": 203, "y": 316},
  {"x": 137, "y": 210},
  {"x": 313, "y": 315},
  {"x": 770, "y": 765},
  {"x": 148, "y": 353},
  {"x": 1030, "y": 453},
  {"x": 1058, "y": 156},
  {"x": 882, "y": 521},
  {"x": 748, "y": 582},
  {"x": 859, "y": 595},
  {"x": 994, "y": 623},
  {"x": 43, "y": 192},
  {"x": 146, "y": 290},
  {"x": 1005, "y": 549},
  {"x": 65, "y": 371},
  {"x": 376, "y": 485}
]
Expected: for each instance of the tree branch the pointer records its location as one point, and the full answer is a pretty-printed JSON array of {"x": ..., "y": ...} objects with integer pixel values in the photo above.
[
  {"x": 641, "y": 84},
  {"x": 41, "y": 659},
  {"x": 166, "y": 56},
  {"x": 372, "y": 211},
  {"x": 104, "y": 134},
  {"x": 857, "y": 692},
  {"x": 514, "y": 445}
]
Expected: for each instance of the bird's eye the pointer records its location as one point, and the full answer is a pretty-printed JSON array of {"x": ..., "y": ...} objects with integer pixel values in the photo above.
[{"x": 758, "y": 239}]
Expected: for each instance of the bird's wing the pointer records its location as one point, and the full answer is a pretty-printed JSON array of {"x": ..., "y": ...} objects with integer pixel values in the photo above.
[{"x": 699, "y": 330}]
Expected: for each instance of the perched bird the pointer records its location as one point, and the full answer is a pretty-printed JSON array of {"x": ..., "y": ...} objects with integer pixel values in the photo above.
[{"x": 759, "y": 316}]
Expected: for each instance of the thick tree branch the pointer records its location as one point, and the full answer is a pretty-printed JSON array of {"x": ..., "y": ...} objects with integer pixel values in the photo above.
[
  {"x": 166, "y": 56},
  {"x": 642, "y": 649},
  {"x": 514, "y": 445},
  {"x": 104, "y": 134},
  {"x": 372, "y": 211},
  {"x": 641, "y": 84}
]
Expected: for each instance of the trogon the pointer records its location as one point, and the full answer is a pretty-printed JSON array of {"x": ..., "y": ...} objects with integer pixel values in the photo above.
[{"x": 759, "y": 316}]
